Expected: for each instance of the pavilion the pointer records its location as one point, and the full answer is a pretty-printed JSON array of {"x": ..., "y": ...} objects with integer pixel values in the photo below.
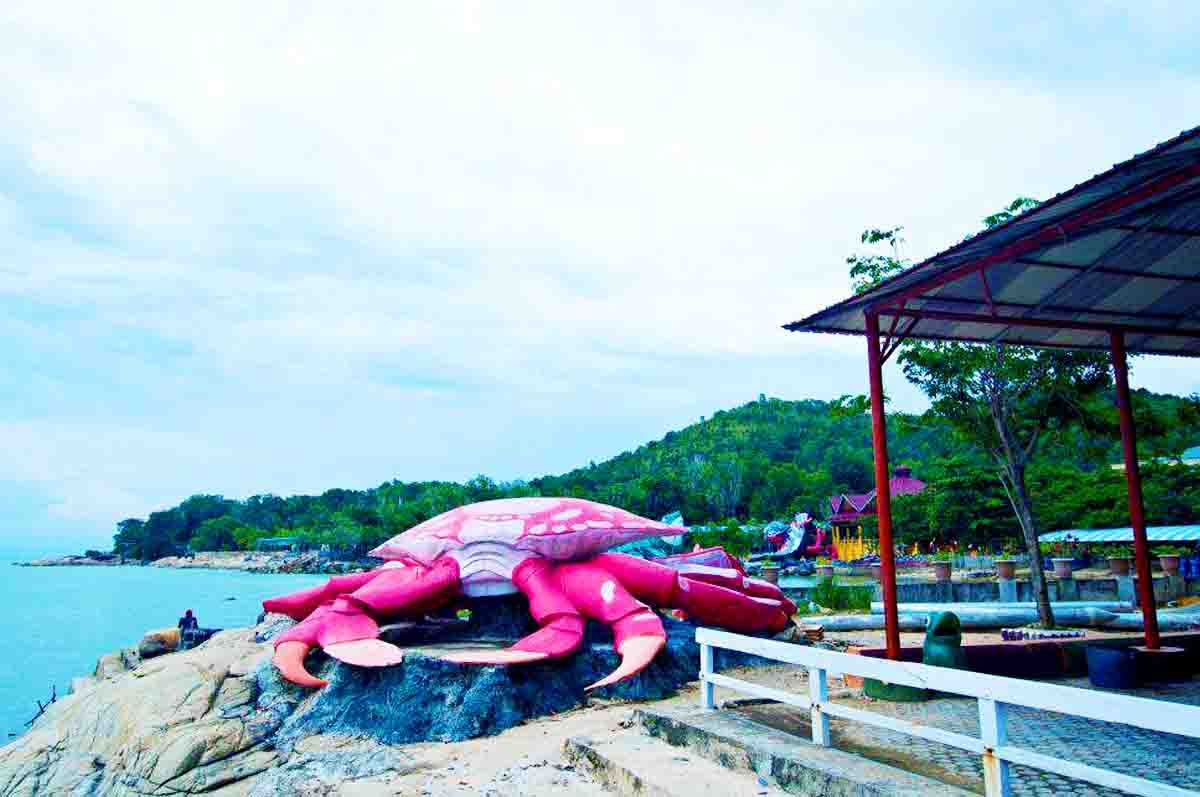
[
  {"x": 849, "y": 511},
  {"x": 1112, "y": 265}
]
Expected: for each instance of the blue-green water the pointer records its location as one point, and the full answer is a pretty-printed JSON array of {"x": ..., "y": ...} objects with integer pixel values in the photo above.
[{"x": 56, "y": 621}]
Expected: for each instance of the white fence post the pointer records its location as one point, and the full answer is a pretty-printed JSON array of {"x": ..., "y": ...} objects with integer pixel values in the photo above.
[
  {"x": 993, "y": 729},
  {"x": 818, "y": 693},
  {"x": 706, "y": 669}
]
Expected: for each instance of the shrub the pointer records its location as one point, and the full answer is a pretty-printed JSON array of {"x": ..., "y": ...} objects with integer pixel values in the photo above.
[{"x": 831, "y": 595}]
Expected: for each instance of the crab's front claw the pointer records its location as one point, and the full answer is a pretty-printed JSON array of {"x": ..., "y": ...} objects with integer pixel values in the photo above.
[
  {"x": 341, "y": 628},
  {"x": 638, "y": 637}
]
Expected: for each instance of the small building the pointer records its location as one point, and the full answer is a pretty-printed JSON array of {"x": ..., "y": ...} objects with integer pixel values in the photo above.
[
  {"x": 1177, "y": 534},
  {"x": 1190, "y": 457},
  {"x": 848, "y": 511},
  {"x": 277, "y": 544}
]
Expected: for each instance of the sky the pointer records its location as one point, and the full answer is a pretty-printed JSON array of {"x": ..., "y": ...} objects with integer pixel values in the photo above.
[{"x": 251, "y": 248}]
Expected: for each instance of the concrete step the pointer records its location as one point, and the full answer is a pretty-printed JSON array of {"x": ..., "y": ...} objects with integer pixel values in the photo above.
[
  {"x": 790, "y": 762},
  {"x": 633, "y": 764}
]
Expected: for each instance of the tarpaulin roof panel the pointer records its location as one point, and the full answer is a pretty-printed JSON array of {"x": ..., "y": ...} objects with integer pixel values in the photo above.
[
  {"x": 1120, "y": 252},
  {"x": 1153, "y": 533}
]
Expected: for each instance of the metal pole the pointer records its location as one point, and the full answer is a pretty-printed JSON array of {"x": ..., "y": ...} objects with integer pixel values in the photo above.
[
  {"x": 1133, "y": 480},
  {"x": 883, "y": 493}
]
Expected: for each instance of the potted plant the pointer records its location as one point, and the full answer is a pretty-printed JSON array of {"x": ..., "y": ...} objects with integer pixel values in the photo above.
[
  {"x": 1168, "y": 558},
  {"x": 1062, "y": 554},
  {"x": 1118, "y": 557},
  {"x": 1006, "y": 565},
  {"x": 941, "y": 565},
  {"x": 824, "y": 567},
  {"x": 770, "y": 574}
]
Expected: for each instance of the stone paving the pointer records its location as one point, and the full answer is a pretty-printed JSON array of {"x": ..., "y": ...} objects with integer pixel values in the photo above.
[{"x": 1157, "y": 756}]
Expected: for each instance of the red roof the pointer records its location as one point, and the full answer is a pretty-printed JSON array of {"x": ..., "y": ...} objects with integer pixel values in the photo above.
[{"x": 846, "y": 508}]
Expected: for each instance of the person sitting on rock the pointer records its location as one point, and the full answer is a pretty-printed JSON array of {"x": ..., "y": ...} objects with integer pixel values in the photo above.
[{"x": 189, "y": 629}]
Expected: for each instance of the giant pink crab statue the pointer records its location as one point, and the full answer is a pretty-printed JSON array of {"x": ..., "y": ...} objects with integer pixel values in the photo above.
[{"x": 550, "y": 549}]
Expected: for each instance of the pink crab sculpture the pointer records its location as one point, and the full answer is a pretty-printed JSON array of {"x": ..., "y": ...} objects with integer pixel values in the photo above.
[{"x": 550, "y": 549}]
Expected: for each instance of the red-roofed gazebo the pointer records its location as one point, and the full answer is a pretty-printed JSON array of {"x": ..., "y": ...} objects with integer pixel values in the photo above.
[{"x": 1112, "y": 264}]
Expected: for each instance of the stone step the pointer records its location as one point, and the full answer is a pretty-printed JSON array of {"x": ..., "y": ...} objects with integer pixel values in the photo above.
[
  {"x": 790, "y": 762},
  {"x": 633, "y": 764}
]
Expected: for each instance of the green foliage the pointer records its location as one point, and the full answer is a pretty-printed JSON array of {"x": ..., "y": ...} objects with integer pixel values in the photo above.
[
  {"x": 728, "y": 535},
  {"x": 217, "y": 534},
  {"x": 1115, "y": 551},
  {"x": 837, "y": 597},
  {"x": 1170, "y": 550}
]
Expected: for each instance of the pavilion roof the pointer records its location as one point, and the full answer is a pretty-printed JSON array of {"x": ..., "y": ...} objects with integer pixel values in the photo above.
[{"x": 1119, "y": 252}]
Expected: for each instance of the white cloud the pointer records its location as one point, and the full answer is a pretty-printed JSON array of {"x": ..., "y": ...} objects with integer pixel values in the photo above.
[{"x": 491, "y": 219}]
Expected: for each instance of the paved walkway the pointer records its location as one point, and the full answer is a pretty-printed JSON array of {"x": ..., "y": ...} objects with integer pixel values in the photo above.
[{"x": 1163, "y": 757}]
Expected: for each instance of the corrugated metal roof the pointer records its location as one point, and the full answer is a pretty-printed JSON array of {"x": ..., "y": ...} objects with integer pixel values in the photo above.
[
  {"x": 1153, "y": 533},
  {"x": 1120, "y": 250}
]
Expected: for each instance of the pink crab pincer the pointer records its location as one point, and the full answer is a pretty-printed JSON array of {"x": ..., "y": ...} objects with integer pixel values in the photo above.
[{"x": 550, "y": 549}]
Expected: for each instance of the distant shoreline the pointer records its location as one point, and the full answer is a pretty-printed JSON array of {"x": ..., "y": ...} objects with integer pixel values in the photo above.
[{"x": 243, "y": 561}]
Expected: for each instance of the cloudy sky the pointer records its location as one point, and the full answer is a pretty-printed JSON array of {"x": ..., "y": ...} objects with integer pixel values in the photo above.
[{"x": 278, "y": 248}]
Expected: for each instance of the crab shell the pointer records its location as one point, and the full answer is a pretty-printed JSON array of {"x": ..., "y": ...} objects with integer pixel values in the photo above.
[{"x": 490, "y": 538}]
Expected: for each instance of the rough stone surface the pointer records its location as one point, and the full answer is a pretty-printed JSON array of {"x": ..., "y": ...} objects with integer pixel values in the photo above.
[
  {"x": 794, "y": 764},
  {"x": 158, "y": 642},
  {"x": 427, "y": 699},
  {"x": 218, "y": 719}
]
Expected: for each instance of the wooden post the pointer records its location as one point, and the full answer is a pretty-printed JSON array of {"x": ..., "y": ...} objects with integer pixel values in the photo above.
[
  {"x": 1133, "y": 481},
  {"x": 883, "y": 494}
]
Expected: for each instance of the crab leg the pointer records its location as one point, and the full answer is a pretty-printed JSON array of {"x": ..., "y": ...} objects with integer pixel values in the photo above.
[
  {"x": 664, "y": 587},
  {"x": 347, "y": 627},
  {"x": 732, "y": 579},
  {"x": 301, "y": 604},
  {"x": 560, "y": 597},
  {"x": 599, "y": 593},
  {"x": 561, "y": 630}
]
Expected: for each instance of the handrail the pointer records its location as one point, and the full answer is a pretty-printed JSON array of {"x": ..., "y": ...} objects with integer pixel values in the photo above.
[{"x": 994, "y": 693}]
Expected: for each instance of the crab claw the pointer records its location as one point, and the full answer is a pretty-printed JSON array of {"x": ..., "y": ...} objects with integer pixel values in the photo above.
[
  {"x": 636, "y": 654},
  {"x": 500, "y": 656},
  {"x": 366, "y": 653},
  {"x": 289, "y": 660}
]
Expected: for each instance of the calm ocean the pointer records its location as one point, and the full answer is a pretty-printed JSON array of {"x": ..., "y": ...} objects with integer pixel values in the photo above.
[{"x": 56, "y": 621}]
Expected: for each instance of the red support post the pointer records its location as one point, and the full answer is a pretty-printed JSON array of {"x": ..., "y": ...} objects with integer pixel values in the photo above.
[
  {"x": 883, "y": 492},
  {"x": 1133, "y": 479}
]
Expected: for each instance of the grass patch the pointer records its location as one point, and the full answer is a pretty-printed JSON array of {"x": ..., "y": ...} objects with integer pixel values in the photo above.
[{"x": 831, "y": 595}]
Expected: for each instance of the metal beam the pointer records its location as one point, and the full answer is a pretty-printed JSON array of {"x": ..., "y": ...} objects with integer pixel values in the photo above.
[
  {"x": 883, "y": 491},
  {"x": 1044, "y": 323},
  {"x": 1133, "y": 482}
]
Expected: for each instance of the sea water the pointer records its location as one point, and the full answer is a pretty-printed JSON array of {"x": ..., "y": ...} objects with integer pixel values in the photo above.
[{"x": 56, "y": 621}]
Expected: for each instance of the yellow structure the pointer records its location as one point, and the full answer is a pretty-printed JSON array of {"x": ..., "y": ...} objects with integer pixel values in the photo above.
[{"x": 849, "y": 547}]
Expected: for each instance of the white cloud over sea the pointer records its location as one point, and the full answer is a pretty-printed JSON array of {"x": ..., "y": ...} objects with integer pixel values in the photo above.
[{"x": 277, "y": 248}]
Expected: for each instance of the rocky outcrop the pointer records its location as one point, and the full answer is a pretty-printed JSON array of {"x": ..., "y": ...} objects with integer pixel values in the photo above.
[
  {"x": 156, "y": 643},
  {"x": 262, "y": 562},
  {"x": 218, "y": 719}
]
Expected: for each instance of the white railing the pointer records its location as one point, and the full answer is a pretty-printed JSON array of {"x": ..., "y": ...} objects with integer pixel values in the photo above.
[{"x": 993, "y": 692}]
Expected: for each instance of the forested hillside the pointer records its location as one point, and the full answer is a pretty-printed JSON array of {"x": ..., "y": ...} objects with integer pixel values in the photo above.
[{"x": 762, "y": 460}]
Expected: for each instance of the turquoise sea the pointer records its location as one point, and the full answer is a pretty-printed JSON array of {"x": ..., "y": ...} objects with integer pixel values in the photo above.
[{"x": 56, "y": 621}]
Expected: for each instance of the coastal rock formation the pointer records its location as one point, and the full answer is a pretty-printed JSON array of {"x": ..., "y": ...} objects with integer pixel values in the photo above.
[
  {"x": 218, "y": 719},
  {"x": 156, "y": 643}
]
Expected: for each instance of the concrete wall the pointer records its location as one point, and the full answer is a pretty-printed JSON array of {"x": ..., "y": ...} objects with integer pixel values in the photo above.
[{"x": 1096, "y": 589}]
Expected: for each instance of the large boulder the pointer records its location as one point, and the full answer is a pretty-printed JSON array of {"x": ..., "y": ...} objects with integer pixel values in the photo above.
[
  {"x": 156, "y": 643},
  {"x": 218, "y": 719}
]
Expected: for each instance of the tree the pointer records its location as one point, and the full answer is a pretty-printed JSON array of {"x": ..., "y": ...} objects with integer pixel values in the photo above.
[
  {"x": 1006, "y": 400},
  {"x": 217, "y": 534}
]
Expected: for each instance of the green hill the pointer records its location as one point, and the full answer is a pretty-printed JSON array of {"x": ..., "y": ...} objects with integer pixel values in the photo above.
[{"x": 765, "y": 459}]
